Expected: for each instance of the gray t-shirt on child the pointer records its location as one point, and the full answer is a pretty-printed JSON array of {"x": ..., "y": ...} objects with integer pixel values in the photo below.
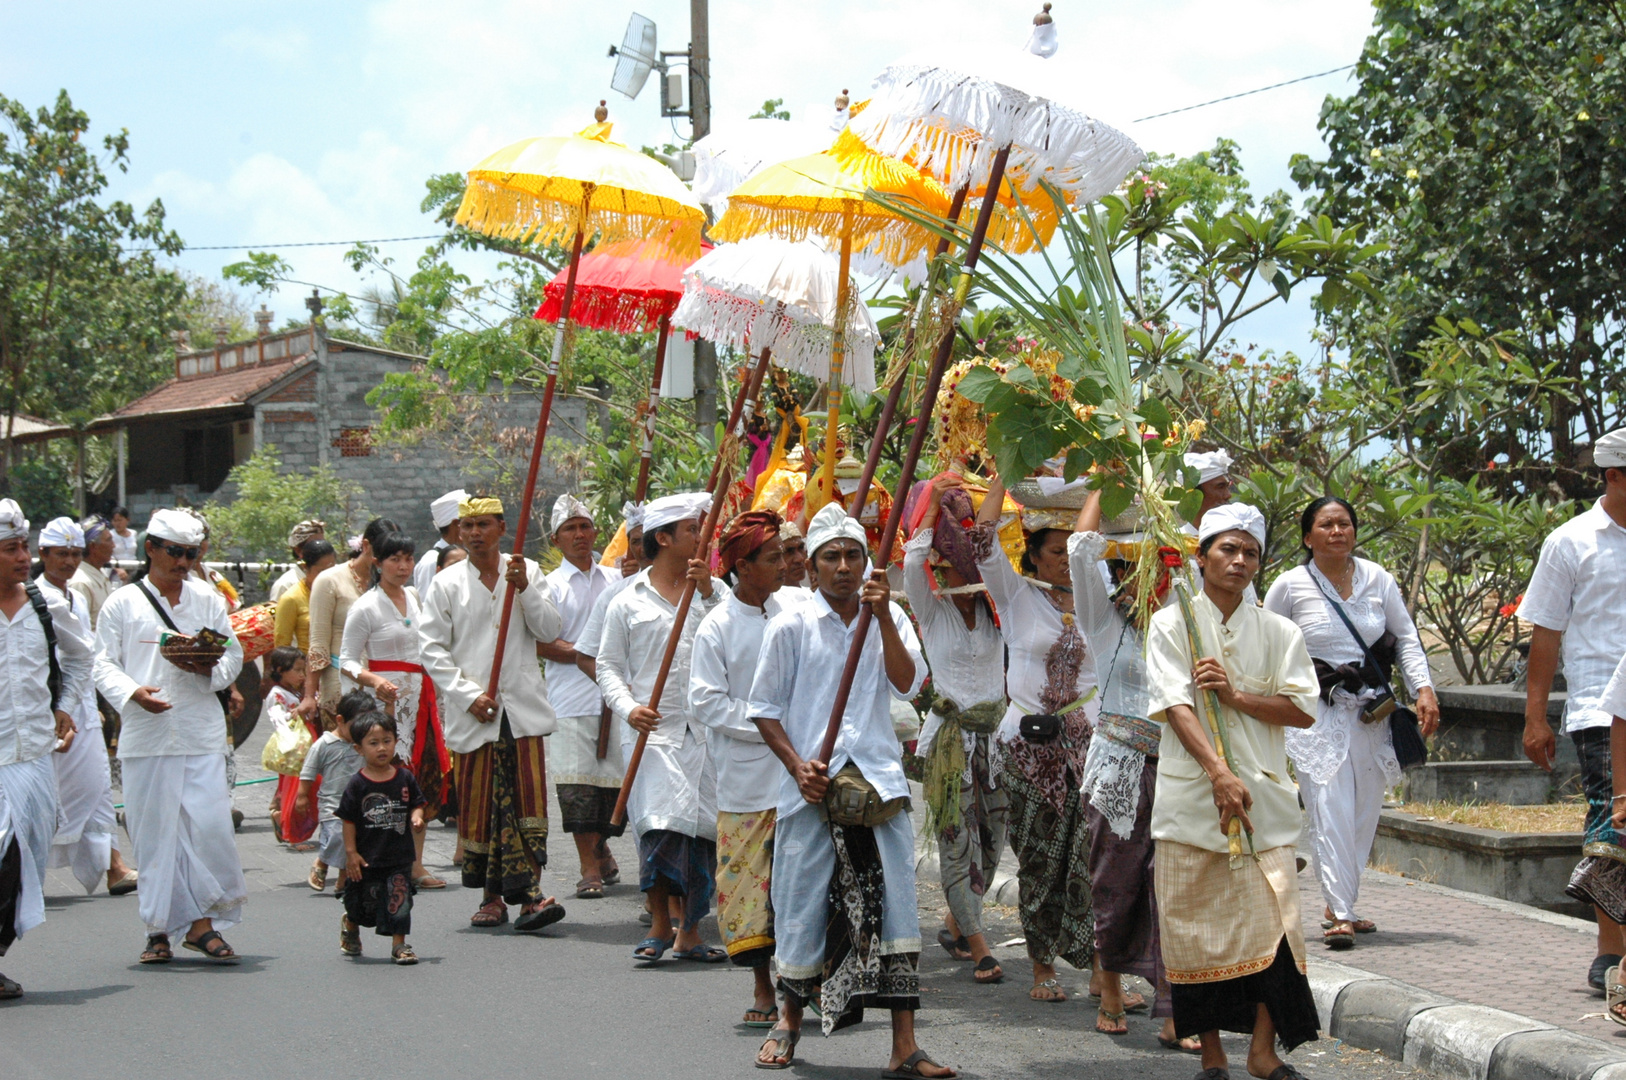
[{"x": 335, "y": 761}]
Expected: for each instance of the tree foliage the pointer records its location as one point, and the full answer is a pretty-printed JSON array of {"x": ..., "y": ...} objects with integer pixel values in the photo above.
[{"x": 267, "y": 500}]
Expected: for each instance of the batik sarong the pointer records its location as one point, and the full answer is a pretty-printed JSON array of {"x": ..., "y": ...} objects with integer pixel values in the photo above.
[
  {"x": 685, "y": 865},
  {"x": 502, "y": 816},
  {"x": 1051, "y": 843}
]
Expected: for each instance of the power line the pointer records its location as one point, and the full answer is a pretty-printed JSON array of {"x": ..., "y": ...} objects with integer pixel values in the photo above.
[
  {"x": 1245, "y": 93},
  {"x": 307, "y": 243}
]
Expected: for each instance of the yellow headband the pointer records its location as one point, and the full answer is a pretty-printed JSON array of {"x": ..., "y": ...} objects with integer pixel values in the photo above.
[{"x": 479, "y": 507}]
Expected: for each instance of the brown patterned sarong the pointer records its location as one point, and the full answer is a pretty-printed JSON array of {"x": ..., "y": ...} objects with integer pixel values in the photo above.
[
  {"x": 502, "y": 816},
  {"x": 1053, "y": 868}
]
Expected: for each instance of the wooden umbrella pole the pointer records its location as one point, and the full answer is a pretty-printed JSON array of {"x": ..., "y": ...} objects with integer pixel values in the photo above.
[
  {"x": 529, "y": 494},
  {"x": 720, "y": 477},
  {"x": 883, "y": 423},
  {"x": 838, "y": 355},
  {"x": 647, "y": 452},
  {"x": 917, "y": 441},
  {"x": 737, "y": 415}
]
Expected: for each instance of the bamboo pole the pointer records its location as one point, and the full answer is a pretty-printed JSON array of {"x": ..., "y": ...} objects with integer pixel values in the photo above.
[
  {"x": 744, "y": 408},
  {"x": 917, "y": 441},
  {"x": 1208, "y": 702},
  {"x": 529, "y": 494}
]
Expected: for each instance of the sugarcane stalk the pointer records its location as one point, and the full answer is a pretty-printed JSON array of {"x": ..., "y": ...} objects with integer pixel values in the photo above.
[{"x": 1209, "y": 703}]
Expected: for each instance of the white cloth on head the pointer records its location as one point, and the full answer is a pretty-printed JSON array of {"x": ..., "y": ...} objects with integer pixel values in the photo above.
[
  {"x": 565, "y": 507},
  {"x": 1576, "y": 590},
  {"x": 176, "y": 526},
  {"x": 178, "y": 810},
  {"x": 27, "y": 728},
  {"x": 674, "y": 508},
  {"x": 798, "y": 671},
  {"x": 62, "y": 532},
  {"x": 1233, "y": 516},
  {"x": 1209, "y": 466},
  {"x": 633, "y": 514},
  {"x": 28, "y": 812},
  {"x": 127, "y": 659},
  {"x": 12, "y": 522},
  {"x": 833, "y": 522},
  {"x": 444, "y": 509},
  {"x": 1375, "y": 605},
  {"x": 575, "y": 591},
  {"x": 458, "y": 638},
  {"x": 1609, "y": 452},
  {"x": 722, "y": 667}
]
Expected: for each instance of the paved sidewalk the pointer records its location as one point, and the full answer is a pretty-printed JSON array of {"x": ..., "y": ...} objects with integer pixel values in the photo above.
[{"x": 1473, "y": 948}]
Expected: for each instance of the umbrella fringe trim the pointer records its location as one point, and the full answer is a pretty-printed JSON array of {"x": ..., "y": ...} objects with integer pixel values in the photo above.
[
  {"x": 798, "y": 343},
  {"x": 494, "y": 210},
  {"x": 890, "y": 238},
  {"x": 598, "y": 308}
]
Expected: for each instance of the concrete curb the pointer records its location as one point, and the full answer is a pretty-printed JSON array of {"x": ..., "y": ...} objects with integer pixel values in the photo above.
[{"x": 1450, "y": 1039}]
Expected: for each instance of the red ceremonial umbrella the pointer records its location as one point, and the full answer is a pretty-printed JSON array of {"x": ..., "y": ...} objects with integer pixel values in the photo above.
[{"x": 629, "y": 287}]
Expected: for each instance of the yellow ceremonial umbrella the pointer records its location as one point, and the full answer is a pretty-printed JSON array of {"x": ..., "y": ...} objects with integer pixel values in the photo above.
[
  {"x": 819, "y": 196},
  {"x": 565, "y": 189}
]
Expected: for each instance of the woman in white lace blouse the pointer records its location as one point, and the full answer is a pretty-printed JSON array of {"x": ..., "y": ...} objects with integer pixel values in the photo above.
[{"x": 1344, "y": 766}]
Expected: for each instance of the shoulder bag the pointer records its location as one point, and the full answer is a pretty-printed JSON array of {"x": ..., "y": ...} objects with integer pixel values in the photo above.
[{"x": 1404, "y": 734}]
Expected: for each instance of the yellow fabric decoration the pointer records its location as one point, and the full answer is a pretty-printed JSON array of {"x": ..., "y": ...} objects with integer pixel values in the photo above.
[{"x": 479, "y": 507}]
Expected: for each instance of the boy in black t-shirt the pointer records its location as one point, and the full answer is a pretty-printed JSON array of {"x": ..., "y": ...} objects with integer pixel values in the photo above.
[{"x": 379, "y": 807}]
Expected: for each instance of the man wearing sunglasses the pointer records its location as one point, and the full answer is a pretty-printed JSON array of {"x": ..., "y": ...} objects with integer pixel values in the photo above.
[{"x": 173, "y": 742}]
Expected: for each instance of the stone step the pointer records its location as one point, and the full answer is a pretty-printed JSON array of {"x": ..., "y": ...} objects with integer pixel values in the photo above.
[{"x": 1513, "y": 783}]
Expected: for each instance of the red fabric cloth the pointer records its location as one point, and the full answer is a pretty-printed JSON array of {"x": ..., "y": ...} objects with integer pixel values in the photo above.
[
  {"x": 619, "y": 287},
  {"x": 745, "y": 534},
  {"x": 426, "y": 732}
]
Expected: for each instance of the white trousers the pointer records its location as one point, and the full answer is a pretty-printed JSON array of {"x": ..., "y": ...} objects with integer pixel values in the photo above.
[
  {"x": 179, "y": 816},
  {"x": 28, "y": 812},
  {"x": 84, "y": 782},
  {"x": 804, "y": 860},
  {"x": 1344, "y": 817}
]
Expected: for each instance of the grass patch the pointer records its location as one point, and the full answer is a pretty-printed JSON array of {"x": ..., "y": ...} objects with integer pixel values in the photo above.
[{"x": 1567, "y": 816}]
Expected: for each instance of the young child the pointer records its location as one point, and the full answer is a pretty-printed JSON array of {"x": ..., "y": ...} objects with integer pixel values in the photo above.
[
  {"x": 379, "y": 805},
  {"x": 283, "y": 683},
  {"x": 333, "y": 760}
]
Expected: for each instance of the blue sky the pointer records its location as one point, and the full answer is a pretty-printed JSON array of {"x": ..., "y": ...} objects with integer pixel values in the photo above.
[{"x": 270, "y": 124}]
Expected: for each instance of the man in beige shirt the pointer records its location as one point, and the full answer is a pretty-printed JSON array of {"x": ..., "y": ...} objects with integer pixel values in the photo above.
[{"x": 1232, "y": 943}]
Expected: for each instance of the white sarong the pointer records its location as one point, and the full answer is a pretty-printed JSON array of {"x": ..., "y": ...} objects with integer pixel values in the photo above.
[
  {"x": 84, "y": 782},
  {"x": 676, "y": 787},
  {"x": 573, "y": 753},
  {"x": 28, "y": 812},
  {"x": 179, "y": 816}
]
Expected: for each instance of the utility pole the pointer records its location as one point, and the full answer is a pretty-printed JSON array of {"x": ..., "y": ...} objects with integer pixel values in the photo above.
[{"x": 705, "y": 353}]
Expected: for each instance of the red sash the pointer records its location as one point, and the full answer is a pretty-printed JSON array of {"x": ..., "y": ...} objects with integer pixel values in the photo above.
[{"x": 426, "y": 724}]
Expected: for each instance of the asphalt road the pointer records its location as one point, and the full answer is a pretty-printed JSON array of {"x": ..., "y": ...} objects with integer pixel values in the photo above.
[{"x": 495, "y": 1004}]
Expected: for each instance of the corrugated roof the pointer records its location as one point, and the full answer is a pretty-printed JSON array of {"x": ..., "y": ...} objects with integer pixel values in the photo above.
[{"x": 200, "y": 393}]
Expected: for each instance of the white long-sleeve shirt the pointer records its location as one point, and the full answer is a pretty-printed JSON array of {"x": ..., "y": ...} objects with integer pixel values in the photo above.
[
  {"x": 79, "y": 691},
  {"x": 967, "y": 662},
  {"x": 375, "y": 629},
  {"x": 636, "y": 626},
  {"x": 127, "y": 659},
  {"x": 458, "y": 638},
  {"x": 593, "y": 632},
  {"x": 423, "y": 574},
  {"x": 27, "y": 726},
  {"x": 798, "y": 672},
  {"x": 722, "y": 668},
  {"x": 575, "y": 591}
]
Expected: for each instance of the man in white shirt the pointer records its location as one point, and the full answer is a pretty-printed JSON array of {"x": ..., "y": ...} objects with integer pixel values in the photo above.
[
  {"x": 1573, "y": 603},
  {"x": 722, "y": 668},
  {"x": 631, "y": 562},
  {"x": 86, "y": 840},
  {"x": 172, "y": 745},
  {"x": 672, "y": 804},
  {"x": 1214, "y": 481},
  {"x": 300, "y": 535},
  {"x": 92, "y": 580},
  {"x": 804, "y": 651},
  {"x": 33, "y": 722},
  {"x": 500, "y": 771},
  {"x": 443, "y": 511},
  {"x": 587, "y": 781},
  {"x": 1232, "y": 938}
]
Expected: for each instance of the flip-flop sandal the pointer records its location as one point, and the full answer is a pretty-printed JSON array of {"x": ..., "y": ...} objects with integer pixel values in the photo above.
[
  {"x": 1175, "y": 1045},
  {"x": 987, "y": 963},
  {"x": 157, "y": 950},
  {"x": 403, "y": 955},
  {"x": 124, "y": 886},
  {"x": 702, "y": 954},
  {"x": 1599, "y": 971},
  {"x": 10, "y": 988},
  {"x": 954, "y": 946},
  {"x": 222, "y": 955},
  {"x": 1365, "y": 926},
  {"x": 350, "y": 940},
  {"x": 785, "y": 1041},
  {"x": 613, "y": 875},
  {"x": 765, "y": 1018},
  {"x": 317, "y": 882},
  {"x": 910, "y": 1069},
  {"x": 534, "y": 919},
  {"x": 491, "y": 913},
  {"x": 1339, "y": 940},
  {"x": 1216, "y": 1073},
  {"x": 429, "y": 881},
  {"x": 1284, "y": 1071},
  {"x": 590, "y": 889},
  {"x": 651, "y": 945},
  {"x": 1614, "y": 996},
  {"x": 1053, "y": 985},
  {"x": 1112, "y": 1018}
]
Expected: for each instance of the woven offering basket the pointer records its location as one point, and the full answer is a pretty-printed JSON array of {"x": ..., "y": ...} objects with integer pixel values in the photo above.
[{"x": 206, "y": 648}]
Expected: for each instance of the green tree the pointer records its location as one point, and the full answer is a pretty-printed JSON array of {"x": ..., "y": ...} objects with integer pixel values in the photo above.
[
  {"x": 79, "y": 311},
  {"x": 269, "y": 500},
  {"x": 772, "y": 109},
  {"x": 1484, "y": 147}
]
